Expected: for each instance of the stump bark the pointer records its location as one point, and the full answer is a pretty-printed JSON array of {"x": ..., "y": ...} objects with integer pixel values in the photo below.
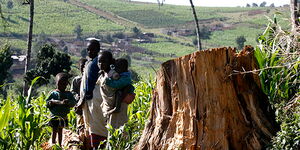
[{"x": 201, "y": 102}]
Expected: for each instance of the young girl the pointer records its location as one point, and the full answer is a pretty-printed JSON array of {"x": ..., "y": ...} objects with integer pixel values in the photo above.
[{"x": 59, "y": 103}]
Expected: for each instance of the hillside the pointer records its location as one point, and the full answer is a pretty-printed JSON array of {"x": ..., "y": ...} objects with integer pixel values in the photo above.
[{"x": 171, "y": 25}]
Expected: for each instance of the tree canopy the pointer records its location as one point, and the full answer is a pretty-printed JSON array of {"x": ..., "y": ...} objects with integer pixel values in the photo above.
[
  {"x": 49, "y": 62},
  {"x": 5, "y": 63}
]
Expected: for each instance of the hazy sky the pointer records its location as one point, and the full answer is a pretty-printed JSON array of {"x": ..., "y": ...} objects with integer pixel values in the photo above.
[{"x": 220, "y": 3}]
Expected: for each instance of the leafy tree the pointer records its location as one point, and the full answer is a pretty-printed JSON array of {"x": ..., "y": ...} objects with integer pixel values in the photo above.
[
  {"x": 5, "y": 63},
  {"x": 272, "y": 5},
  {"x": 136, "y": 31},
  {"x": 254, "y": 5},
  {"x": 10, "y": 4},
  {"x": 240, "y": 41},
  {"x": 78, "y": 31},
  {"x": 49, "y": 62},
  {"x": 248, "y": 5},
  {"x": 263, "y": 4}
]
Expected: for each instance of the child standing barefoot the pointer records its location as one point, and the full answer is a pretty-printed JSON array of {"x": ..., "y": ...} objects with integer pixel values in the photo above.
[{"x": 59, "y": 103}]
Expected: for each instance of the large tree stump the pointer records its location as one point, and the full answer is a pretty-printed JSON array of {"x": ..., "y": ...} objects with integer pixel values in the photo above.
[{"x": 201, "y": 103}]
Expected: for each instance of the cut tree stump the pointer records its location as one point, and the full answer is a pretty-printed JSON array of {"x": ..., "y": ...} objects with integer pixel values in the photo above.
[{"x": 201, "y": 102}]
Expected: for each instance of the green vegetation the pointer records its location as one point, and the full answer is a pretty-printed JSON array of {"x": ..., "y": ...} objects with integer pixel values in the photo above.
[
  {"x": 26, "y": 126},
  {"x": 151, "y": 18},
  {"x": 171, "y": 15},
  {"x": 49, "y": 62},
  {"x": 5, "y": 63},
  {"x": 55, "y": 17},
  {"x": 227, "y": 37},
  {"x": 168, "y": 48},
  {"x": 279, "y": 59},
  {"x": 126, "y": 136}
]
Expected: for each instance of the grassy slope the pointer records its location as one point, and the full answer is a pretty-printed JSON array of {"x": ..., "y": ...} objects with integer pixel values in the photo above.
[
  {"x": 57, "y": 18},
  {"x": 151, "y": 15}
]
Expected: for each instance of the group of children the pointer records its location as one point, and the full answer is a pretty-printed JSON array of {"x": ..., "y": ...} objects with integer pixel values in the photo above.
[{"x": 60, "y": 100}]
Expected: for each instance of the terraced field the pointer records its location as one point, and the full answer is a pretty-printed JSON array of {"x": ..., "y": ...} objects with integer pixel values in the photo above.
[{"x": 57, "y": 18}]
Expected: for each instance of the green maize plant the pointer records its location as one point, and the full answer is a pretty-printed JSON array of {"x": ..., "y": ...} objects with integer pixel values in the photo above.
[
  {"x": 22, "y": 124},
  {"x": 278, "y": 57},
  {"x": 126, "y": 136}
]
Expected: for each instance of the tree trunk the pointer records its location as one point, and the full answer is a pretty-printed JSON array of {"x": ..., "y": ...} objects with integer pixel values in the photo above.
[
  {"x": 197, "y": 26},
  {"x": 199, "y": 104},
  {"x": 295, "y": 14},
  {"x": 29, "y": 45}
]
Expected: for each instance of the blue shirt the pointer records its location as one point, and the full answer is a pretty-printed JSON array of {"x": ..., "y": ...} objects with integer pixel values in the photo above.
[
  {"x": 92, "y": 76},
  {"x": 123, "y": 81}
]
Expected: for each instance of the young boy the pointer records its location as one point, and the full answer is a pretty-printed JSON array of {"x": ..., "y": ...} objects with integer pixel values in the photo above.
[
  {"x": 120, "y": 78},
  {"x": 75, "y": 89},
  {"x": 75, "y": 86},
  {"x": 59, "y": 103}
]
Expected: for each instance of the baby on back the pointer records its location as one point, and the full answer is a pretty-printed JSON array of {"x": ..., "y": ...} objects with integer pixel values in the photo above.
[{"x": 120, "y": 78}]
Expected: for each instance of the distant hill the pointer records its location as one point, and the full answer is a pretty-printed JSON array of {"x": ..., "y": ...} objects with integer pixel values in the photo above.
[{"x": 173, "y": 26}]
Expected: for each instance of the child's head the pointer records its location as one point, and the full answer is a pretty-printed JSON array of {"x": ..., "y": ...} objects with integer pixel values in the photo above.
[
  {"x": 105, "y": 60},
  {"x": 93, "y": 48},
  {"x": 62, "y": 81},
  {"x": 121, "y": 65},
  {"x": 81, "y": 64}
]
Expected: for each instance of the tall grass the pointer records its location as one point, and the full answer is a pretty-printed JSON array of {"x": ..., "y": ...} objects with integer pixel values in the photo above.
[
  {"x": 278, "y": 57},
  {"x": 22, "y": 123}
]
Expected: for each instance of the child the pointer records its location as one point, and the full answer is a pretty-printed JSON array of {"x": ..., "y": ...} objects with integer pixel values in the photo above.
[
  {"x": 120, "y": 78},
  {"x": 75, "y": 87},
  {"x": 59, "y": 103}
]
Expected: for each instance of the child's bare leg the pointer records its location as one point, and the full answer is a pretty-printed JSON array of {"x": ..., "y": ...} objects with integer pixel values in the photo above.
[
  {"x": 54, "y": 132},
  {"x": 60, "y": 136}
]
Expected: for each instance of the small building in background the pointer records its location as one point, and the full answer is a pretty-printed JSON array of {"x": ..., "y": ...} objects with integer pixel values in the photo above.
[{"x": 18, "y": 67}]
